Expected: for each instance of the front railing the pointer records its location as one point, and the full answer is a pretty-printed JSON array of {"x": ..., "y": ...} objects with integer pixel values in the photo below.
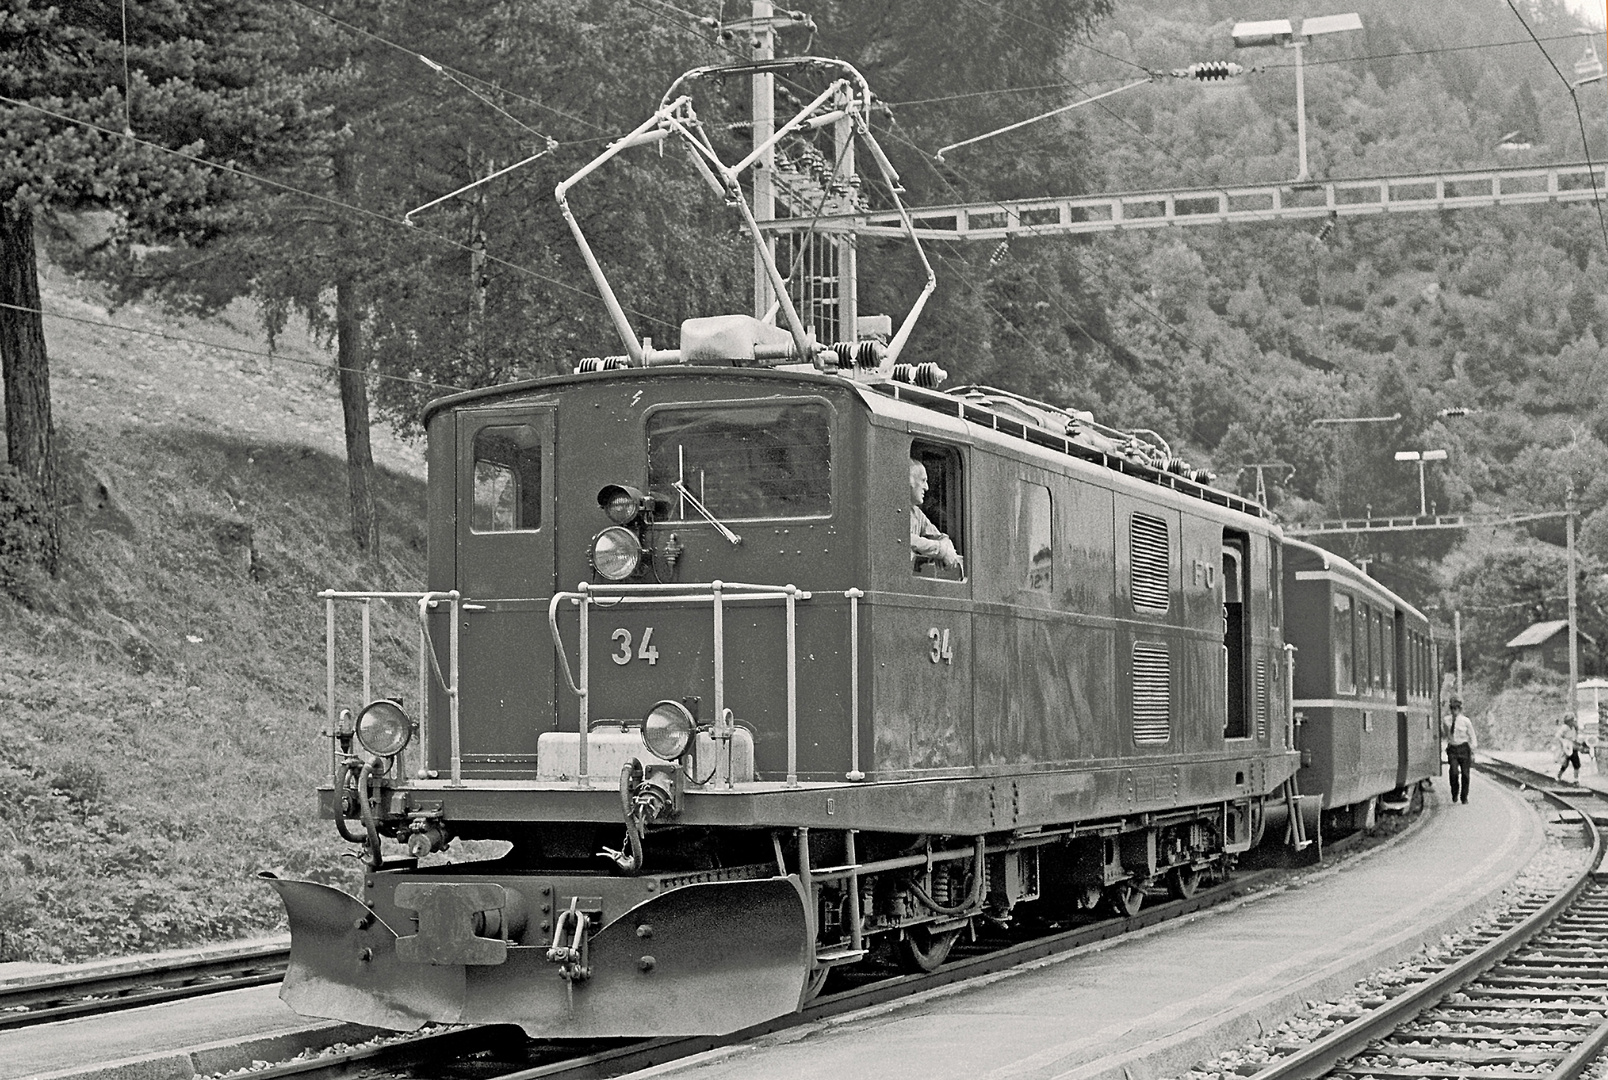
[
  {"x": 428, "y": 664},
  {"x": 718, "y": 594}
]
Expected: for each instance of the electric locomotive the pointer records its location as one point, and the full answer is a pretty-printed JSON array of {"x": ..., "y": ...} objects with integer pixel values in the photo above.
[{"x": 705, "y": 709}]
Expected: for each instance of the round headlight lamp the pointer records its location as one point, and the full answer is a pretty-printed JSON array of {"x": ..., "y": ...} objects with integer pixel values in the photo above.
[
  {"x": 668, "y": 729},
  {"x": 383, "y": 728},
  {"x": 616, "y": 553},
  {"x": 620, "y": 503}
]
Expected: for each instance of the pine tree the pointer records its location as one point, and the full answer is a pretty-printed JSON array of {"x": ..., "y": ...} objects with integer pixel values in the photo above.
[{"x": 107, "y": 106}]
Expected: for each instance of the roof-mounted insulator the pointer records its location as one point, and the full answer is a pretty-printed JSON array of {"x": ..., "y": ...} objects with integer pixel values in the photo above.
[
  {"x": 1210, "y": 71},
  {"x": 602, "y": 363},
  {"x": 927, "y": 375},
  {"x": 861, "y": 354}
]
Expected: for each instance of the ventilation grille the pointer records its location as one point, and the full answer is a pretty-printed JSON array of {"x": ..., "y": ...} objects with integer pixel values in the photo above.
[
  {"x": 1148, "y": 564},
  {"x": 1152, "y": 693},
  {"x": 1261, "y": 698}
]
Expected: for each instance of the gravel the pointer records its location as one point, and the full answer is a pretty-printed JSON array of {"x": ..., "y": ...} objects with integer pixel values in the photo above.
[{"x": 1558, "y": 861}]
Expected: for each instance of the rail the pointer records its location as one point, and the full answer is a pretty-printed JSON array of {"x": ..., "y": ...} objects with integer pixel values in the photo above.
[
  {"x": 718, "y": 594},
  {"x": 1324, "y": 1056}
]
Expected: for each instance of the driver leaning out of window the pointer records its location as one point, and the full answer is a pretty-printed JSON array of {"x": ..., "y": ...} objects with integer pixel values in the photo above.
[{"x": 927, "y": 544}]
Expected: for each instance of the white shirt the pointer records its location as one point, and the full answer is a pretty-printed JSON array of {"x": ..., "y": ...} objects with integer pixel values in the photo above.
[{"x": 1462, "y": 732}]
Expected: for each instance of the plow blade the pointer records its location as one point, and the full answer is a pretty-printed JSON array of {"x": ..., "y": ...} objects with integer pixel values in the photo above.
[
  {"x": 344, "y": 966},
  {"x": 704, "y": 959}
]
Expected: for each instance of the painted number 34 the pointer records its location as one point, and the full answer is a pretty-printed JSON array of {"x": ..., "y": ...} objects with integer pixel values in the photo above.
[
  {"x": 941, "y": 650},
  {"x": 622, "y": 646}
]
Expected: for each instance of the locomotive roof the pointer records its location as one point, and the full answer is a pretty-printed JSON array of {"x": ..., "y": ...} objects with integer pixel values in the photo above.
[
  {"x": 1297, "y": 552},
  {"x": 883, "y": 397}
]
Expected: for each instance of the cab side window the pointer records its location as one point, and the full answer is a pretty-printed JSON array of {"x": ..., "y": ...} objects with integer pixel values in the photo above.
[
  {"x": 1035, "y": 537},
  {"x": 940, "y": 510},
  {"x": 508, "y": 479}
]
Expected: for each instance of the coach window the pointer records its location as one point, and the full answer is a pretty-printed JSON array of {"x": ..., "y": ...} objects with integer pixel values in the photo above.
[
  {"x": 944, "y": 505},
  {"x": 1387, "y": 646},
  {"x": 1345, "y": 668},
  {"x": 1035, "y": 539},
  {"x": 1375, "y": 667},
  {"x": 508, "y": 479}
]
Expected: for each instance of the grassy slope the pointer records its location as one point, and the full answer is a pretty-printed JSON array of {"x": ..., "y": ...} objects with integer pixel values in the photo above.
[{"x": 160, "y": 703}]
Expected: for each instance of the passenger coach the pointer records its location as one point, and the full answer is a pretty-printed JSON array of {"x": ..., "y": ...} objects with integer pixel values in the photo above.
[{"x": 1366, "y": 687}]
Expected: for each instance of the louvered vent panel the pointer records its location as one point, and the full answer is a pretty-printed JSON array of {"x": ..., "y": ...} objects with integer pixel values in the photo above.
[
  {"x": 1261, "y": 697},
  {"x": 1148, "y": 564},
  {"x": 1152, "y": 693}
]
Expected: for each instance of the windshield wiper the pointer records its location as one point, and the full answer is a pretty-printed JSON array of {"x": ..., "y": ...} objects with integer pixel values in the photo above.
[{"x": 703, "y": 512}]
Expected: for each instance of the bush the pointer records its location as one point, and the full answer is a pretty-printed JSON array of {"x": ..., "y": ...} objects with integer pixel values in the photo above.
[{"x": 1525, "y": 672}]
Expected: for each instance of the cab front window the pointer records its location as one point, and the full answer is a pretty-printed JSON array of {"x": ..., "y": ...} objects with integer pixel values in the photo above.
[{"x": 743, "y": 461}]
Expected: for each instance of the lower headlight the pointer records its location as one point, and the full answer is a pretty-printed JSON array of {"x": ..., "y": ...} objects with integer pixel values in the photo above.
[
  {"x": 383, "y": 728},
  {"x": 616, "y": 553},
  {"x": 667, "y": 729}
]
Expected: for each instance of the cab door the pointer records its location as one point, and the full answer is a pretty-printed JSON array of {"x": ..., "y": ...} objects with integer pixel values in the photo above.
[{"x": 505, "y": 572}]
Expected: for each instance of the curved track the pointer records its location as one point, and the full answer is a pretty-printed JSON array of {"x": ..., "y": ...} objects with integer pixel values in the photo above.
[{"x": 1529, "y": 1001}]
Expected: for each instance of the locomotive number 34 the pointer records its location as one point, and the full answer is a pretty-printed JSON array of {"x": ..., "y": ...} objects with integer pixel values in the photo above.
[
  {"x": 622, "y": 646},
  {"x": 941, "y": 651}
]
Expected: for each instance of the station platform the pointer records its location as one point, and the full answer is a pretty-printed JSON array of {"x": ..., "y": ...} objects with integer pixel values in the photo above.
[
  {"x": 1153, "y": 1004},
  {"x": 1144, "y": 1006}
]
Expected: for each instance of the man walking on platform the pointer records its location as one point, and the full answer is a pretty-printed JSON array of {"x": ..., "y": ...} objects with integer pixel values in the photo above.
[{"x": 1460, "y": 743}]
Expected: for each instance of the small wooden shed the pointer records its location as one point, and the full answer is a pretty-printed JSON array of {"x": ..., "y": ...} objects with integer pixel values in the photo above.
[{"x": 1547, "y": 644}]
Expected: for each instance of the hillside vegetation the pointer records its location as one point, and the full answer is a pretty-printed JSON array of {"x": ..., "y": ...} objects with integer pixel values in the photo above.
[{"x": 161, "y": 701}]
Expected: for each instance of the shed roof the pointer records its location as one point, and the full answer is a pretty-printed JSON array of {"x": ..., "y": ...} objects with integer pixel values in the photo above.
[{"x": 1541, "y": 632}]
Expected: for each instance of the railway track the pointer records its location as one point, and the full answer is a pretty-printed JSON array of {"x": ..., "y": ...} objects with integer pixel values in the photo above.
[
  {"x": 1531, "y": 1000},
  {"x": 505, "y": 1054},
  {"x": 50, "y": 996}
]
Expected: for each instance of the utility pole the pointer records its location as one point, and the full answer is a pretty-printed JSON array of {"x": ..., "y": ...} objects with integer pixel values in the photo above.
[
  {"x": 1574, "y": 648},
  {"x": 1457, "y": 646},
  {"x": 844, "y": 249},
  {"x": 1261, "y": 481},
  {"x": 764, "y": 112}
]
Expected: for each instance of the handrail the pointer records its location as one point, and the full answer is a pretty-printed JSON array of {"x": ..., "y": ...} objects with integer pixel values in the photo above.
[
  {"x": 717, "y": 593},
  {"x": 428, "y": 662}
]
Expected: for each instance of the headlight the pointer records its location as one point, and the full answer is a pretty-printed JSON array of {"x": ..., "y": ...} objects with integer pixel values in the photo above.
[
  {"x": 667, "y": 729},
  {"x": 383, "y": 728},
  {"x": 616, "y": 553},
  {"x": 620, "y": 503}
]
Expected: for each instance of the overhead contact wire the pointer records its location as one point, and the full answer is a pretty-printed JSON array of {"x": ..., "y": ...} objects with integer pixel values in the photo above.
[
  {"x": 325, "y": 199},
  {"x": 365, "y": 372}
]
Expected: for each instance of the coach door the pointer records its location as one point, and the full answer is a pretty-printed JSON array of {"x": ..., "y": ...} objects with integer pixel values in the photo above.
[
  {"x": 505, "y": 573},
  {"x": 1236, "y": 635}
]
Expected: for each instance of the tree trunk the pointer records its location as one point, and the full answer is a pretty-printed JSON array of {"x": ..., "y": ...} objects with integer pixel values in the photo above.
[
  {"x": 30, "y": 434},
  {"x": 355, "y": 412},
  {"x": 353, "y": 379}
]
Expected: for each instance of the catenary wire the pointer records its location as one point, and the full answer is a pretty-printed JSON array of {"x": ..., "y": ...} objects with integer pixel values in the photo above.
[
  {"x": 274, "y": 356},
  {"x": 416, "y": 54},
  {"x": 1410, "y": 52},
  {"x": 1003, "y": 10},
  {"x": 1585, "y": 144},
  {"x": 348, "y": 207}
]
